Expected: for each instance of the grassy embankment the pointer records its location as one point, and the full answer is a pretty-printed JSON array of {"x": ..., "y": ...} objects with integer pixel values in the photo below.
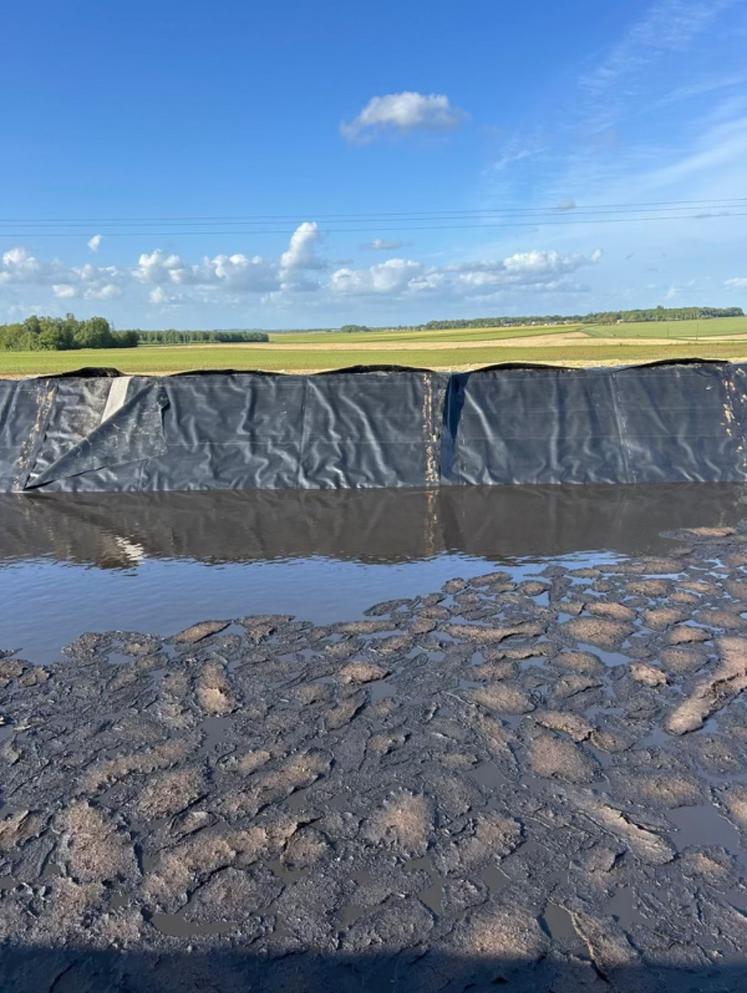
[{"x": 724, "y": 338}]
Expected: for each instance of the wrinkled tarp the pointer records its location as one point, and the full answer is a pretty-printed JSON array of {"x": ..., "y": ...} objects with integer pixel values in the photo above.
[{"x": 668, "y": 422}]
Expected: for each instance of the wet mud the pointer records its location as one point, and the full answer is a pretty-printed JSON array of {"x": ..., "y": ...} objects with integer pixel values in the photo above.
[{"x": 526, "y": 779}]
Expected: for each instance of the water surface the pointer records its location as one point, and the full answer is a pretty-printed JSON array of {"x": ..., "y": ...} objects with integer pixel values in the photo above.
[{"x": 159, "y": 562}]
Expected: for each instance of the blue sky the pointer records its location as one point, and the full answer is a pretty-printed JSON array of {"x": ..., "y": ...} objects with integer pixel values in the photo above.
[{"x": 263, "y": 165}]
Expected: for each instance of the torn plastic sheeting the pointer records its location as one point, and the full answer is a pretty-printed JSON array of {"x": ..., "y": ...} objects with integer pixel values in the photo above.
[{"x": 375, "y": 428}]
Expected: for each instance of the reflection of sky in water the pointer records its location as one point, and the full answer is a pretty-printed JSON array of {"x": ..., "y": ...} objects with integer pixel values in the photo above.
[{"x": 52, "y": 603}]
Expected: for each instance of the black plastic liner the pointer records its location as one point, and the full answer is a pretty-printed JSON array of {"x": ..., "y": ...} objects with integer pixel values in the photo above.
[{"x": 673, "y": 422}]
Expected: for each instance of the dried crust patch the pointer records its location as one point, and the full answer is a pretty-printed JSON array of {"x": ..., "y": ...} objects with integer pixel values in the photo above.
[
  {"x": 405, "y": 822},
  {"x": 712, "y": 694}
]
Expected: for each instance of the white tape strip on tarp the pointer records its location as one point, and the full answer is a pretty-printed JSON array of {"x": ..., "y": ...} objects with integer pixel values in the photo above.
[{"x": 117, "y": 396}]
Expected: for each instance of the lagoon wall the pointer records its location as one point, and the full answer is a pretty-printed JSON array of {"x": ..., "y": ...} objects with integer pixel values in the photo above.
[{"x": 94, "y": 432}]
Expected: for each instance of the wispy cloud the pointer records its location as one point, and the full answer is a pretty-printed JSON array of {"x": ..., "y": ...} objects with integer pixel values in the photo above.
[
  {"x": 509, "y": 156},
  {"x": 668, "y": 26},
  {"x": 382, "y": 245},
  {"x": 699, "y": 88},
  {"x": 95, "y": 242}
]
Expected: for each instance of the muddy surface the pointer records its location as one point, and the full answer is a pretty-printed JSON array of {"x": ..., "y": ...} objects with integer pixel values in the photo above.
[{"x": 520, "y": 780}]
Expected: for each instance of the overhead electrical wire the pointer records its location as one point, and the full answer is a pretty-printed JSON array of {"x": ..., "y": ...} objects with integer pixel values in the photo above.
[
  {"x": 359, "y": 230},
  {"x": 384, "y": 222},
  {"x": 570, "y": 208}
]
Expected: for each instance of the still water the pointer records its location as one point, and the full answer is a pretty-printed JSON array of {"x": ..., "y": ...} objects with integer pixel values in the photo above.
[{"x": 159, "y": 562}]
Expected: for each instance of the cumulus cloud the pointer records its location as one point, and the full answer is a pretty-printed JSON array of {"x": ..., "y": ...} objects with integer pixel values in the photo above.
[
  {"x": 736, "y": 283},
  {"x": 94, "y": 242},
  {"x": 392, "y": 277},
  {"x": 157, "y": 267},
  {"x": 170, "y": 276},
  {"x": 301, "y": 251},
  {"x": 166, "y": 279},
  {"x": 402, "y": 113},
  {"x": 159, "y": 296},
  {"x": 64, "y": 291},
  {"x": 406, "y": 277},
  {"x": 21, "y": 268}
]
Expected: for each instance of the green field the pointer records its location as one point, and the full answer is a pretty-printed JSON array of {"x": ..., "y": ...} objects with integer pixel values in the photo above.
[
  {"x": 457, "y": 334},
  {"x": 168, "y": 359},
  {"x": 676, "y": 330},
  {"x": 461, "y": 348}
]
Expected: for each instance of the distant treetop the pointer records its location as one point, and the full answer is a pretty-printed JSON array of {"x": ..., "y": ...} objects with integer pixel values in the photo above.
[
  {"x": 60, "y": 334},
  {"x": 171, "y": 336},
  {"x": 600, "y": 317}
]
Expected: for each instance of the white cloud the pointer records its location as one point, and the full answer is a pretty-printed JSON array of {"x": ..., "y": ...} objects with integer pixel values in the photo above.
[
  {"x": 382, "y": 245},
  {"x": 238, "y": 273},
  {"x": 403, "y": 112},
  {"x": 392, "y": 277},
  {"x": 173, "y": 279},
  {"x": 166, "y": 279},
  {"x": 406, "y": 277},
  {"x": 737, "y": 283},
  {"x": 232, "y": 275},
  {"x": 160, "y": 297},
  {"x": 64, "y": 291},
  {"x": 109, "y": 291},
  {"x": 301, "y": 251},
  {"x": 87, "y": 282},
  {"x": 20, "y": 266},
  {"x": 94, "y": 242},
  {"x": 157, "y": 267}
]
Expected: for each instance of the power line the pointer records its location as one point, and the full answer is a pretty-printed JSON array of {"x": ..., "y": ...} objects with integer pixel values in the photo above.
[
  {"x": 584, "y": 214},
  {"x": 571, "y": 209},
  {"x": 399, "y": 229}
]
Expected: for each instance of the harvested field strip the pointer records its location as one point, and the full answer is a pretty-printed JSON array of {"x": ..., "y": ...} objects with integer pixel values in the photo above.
[
  {"x": 361, "y": 339},
  {"x": 169, "y": 359}
]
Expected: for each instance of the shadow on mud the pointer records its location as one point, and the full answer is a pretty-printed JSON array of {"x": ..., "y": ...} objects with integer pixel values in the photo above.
[{"x": 35, "y": 970}]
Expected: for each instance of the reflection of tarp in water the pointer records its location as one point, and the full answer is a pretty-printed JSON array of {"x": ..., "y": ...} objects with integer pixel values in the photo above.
[
  {"x": 373, "y": 428},
  {"x": 118, "y": 530}
]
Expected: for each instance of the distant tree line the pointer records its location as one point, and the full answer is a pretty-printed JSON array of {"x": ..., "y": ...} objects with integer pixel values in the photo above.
[
  {"x": 61, "y": 334},
  {"x": 600, "y": 317},
  {"x": 661, "y": 314},
  {"x": 173, "y": 337}
]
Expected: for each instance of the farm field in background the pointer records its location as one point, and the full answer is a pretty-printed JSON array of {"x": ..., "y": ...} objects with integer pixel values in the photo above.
[
  {"x": 720, "y": 326},
  {"x": 416, "y": 335},
  {"x": 457, "y": 348},
  {"x": 433, "y": 355}
]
